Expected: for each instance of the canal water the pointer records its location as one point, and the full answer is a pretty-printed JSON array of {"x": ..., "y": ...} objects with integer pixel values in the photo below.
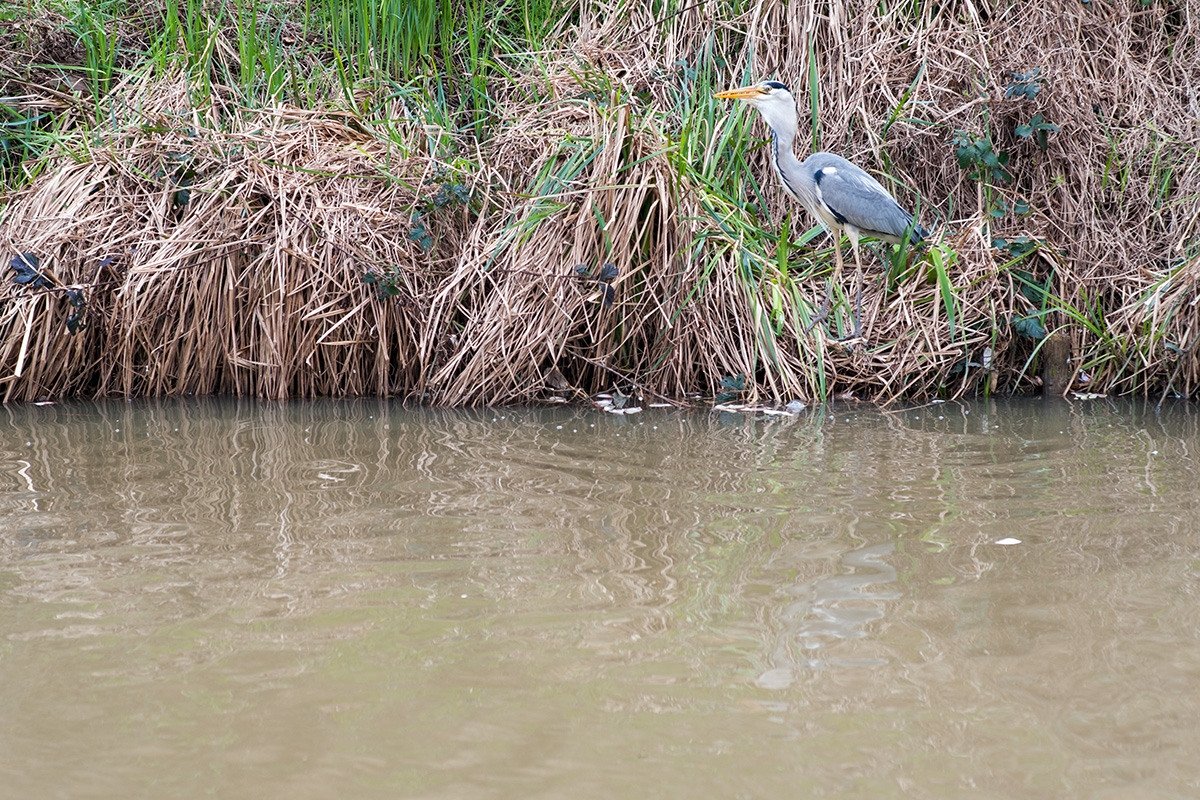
[{"x": 220, "y": 598}]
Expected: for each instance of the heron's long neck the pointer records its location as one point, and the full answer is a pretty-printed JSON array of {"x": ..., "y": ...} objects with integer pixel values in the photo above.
[{"x": 783, "y": 159}]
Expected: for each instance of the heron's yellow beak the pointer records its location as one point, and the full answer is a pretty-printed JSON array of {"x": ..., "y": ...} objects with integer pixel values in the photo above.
[{"x": 744, "y": 93}]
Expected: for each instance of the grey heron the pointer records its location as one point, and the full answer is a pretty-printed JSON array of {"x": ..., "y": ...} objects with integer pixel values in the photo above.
[{"x": 843, "y": 198}]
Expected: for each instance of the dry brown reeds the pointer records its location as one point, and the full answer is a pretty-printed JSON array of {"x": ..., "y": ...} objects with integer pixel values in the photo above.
[{"x": 221, "y": 246}]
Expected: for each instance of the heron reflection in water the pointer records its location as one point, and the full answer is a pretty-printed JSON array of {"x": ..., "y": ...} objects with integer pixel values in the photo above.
[{"x": 833, "y": 609}]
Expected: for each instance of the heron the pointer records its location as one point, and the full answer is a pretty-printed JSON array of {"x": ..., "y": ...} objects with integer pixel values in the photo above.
[{"x": 844, "y": 198}]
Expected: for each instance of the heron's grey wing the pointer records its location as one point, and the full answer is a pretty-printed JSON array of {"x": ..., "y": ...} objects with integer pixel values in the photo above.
[{"x": 854, "y": 197}]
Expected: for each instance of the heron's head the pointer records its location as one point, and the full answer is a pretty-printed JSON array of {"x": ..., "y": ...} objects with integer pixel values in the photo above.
[{"x": 771, "y": 98}]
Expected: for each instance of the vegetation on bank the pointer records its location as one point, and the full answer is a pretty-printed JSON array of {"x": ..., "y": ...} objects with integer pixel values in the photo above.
[{"x": 491, "y": 201}]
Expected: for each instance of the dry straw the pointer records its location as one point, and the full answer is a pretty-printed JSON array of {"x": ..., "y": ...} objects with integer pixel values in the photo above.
[{"x": 609, "y": 150}]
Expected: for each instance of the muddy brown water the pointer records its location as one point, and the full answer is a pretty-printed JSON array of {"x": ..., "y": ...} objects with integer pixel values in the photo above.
[{"x": 213, "y": 598}]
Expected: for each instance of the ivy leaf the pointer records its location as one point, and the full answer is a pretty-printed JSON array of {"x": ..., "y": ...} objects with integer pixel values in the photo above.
[
  {"x": 76, "y": 322},
  {"x": 26, "y": 267},
  {"x": 608, "y": 294},
  {"x": 1029, "y": 327},
  {"x": 607, "y": 273},
  {"x": 733, "y": 385},
  {"x": 420, "y": 234}
]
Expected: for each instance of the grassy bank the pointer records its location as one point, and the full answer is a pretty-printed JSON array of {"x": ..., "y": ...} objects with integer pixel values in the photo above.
[{"x": 423, "y": 199}]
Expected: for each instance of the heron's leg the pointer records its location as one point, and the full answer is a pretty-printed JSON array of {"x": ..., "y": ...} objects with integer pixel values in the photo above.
[
  {"x": 827, "y": 303},
  {"x": 858, "y": 282}
]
